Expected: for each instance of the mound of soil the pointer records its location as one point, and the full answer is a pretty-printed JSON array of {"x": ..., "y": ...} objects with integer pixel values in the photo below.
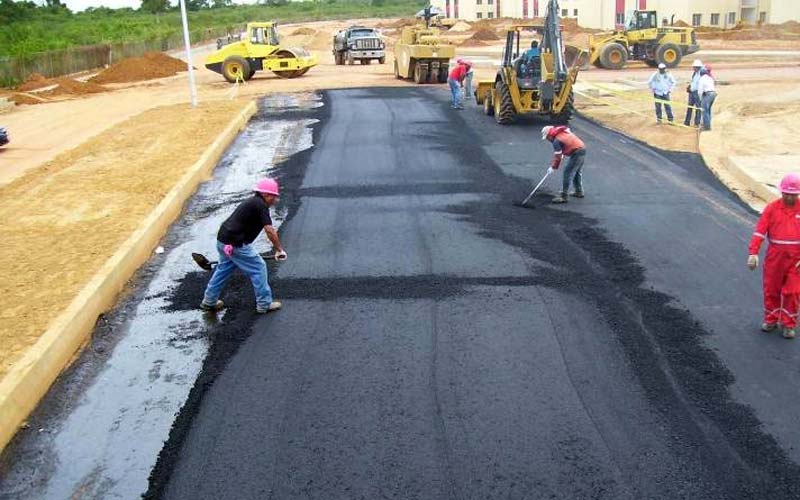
[
  {"x": 460, "y": 27},
  {"x": 469, "y": 42},
  {"x": 68, "y": 86},
  {"x": 150, "y": 66},
  {"x": 21, "y": 98},
  {"x": 682, "y": 24},
  {"x": 304, "y": 31},
  {"x": 33, "y": 82},
  {"x": 485, "y": 34}
]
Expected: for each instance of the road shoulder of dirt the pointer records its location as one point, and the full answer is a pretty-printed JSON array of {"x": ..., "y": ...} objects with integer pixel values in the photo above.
[{"x": 184, "y": 166}]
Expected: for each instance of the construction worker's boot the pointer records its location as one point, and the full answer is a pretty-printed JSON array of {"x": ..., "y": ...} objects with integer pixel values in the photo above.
[
  {"x": 561, "y": 198},
  {"x": 273, "y": 306},
  {"x": 768, "y": 327},
  {"x": 577, "y": 194},
  {"x": 788, "y": 333},
  {"x": 212, "y": 307}
]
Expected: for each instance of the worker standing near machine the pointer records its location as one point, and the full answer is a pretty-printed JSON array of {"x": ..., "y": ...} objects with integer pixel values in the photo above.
[
  {"x": 662, "y": 83},
  {"x": 567, "y": 144},
  {"x": 456, "y": 82},
  {"x": 780, "y": 224},
  {"x": 234, "y": 245}
]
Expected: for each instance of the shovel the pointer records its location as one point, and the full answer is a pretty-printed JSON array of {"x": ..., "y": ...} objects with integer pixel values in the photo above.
[
  {"x": 524, "y": 202},
  {"x": 209, "y": 265}
]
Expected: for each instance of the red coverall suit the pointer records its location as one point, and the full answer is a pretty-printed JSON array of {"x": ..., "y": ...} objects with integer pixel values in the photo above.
[{"x": 780, "y": 224}]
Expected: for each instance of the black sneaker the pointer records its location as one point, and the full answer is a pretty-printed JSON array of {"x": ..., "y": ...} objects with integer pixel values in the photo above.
[
  {"x": 577, "y": 194},
  {"x": 273, "y": 306},
  {"x": 212, "y": 307}
]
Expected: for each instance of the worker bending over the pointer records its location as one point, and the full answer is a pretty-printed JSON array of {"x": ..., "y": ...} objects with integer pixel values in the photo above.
[
  {"x": 566, "y": 144},
  {"x": 234, "y": 244},
  {"x": 780, "y": 224}
]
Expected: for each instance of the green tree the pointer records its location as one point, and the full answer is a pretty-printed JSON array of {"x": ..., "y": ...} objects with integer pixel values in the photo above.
[
  {"x": 196, "y": 4},
  {"x": 218, "y": 4},
  {"x": 154, "y": 6}
]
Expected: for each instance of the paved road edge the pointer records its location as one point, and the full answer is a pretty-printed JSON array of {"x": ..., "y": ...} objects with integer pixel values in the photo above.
[{"x": 31, "y": 377}]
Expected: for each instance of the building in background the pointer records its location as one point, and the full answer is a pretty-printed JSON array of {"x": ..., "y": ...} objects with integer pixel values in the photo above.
[{"x": 608, "y": 14}]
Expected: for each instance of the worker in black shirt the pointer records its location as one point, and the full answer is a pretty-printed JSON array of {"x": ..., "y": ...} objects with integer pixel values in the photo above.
[{"x": 234, "y": 244}]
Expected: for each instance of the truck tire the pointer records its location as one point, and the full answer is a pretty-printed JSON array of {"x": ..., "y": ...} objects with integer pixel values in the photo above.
[
  {"x": 614, "y": 56},
  {"x": 669, "y": 54},
  {"x": 420, "y": 73},
  {"x": 382, "y": 60},
  {"x": 564, "y": 116},
  {"x": 488, "y": 106},
  {"x": 444, "y": 72},
  {"x": 397, "y": 71},
  {"x": 504, "y": 112},
  {"x": 235, "y": 68},
  {"x": 338, "y": 57},
  {"x": 250, "y": 75}
]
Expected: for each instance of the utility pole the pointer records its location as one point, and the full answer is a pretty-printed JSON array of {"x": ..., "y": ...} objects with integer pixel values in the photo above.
[{"x": 187, "y": 42}]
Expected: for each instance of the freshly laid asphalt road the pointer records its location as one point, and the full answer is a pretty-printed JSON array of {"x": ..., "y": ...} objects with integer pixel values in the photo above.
[{"x": 437, "y": 342}]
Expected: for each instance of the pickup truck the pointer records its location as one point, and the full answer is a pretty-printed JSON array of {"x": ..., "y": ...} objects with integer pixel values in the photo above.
[{"x": 358, "y": 43}]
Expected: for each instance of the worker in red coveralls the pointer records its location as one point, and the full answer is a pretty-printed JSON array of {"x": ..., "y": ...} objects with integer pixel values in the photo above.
[
  {"x": 780, "y": 224},
  {"x": 567, "y": 144}
]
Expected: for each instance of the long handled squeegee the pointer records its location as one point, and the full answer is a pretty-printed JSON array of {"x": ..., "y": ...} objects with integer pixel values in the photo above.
[
  {"x": 524, "y": 202},
  {"x": 209, "y": 265}
]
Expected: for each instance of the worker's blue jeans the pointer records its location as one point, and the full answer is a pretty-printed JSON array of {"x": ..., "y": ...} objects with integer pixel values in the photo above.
[
  {"x": 251, "y": 263},
  {"x": 455, "y": 89},
  {"x": 468, "y": 86},
  {"x": 572, "y": 172},
  {"x": 694, "y": 101},
  {"x": 667, "y": 107},
  {"x": 708, "y": 101}
]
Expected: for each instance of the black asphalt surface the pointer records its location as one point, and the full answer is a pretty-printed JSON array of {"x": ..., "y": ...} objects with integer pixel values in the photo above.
[{"x": 437, "y": 342}]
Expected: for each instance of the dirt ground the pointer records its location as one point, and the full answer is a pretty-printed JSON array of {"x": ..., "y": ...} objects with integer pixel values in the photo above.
[
  {"x": 70, "y": 192},
  {"x": 60, "y": 223}
]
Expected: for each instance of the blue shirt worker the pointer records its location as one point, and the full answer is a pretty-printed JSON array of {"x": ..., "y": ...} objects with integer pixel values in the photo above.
[
  {"x": 234, "y": 245},
  {"x": 662, "y": 83},
  {"x": 694, "y": 99}
]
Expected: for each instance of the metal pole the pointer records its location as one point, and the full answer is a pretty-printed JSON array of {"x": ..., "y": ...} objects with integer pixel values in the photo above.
[{"x": 186, "y": 41}]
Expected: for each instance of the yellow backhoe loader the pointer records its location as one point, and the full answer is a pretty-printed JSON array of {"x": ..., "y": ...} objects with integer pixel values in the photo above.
[{"x": 533, "y": 84}]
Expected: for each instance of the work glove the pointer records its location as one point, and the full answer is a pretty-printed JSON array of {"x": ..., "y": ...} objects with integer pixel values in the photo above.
[
  {"x": 752, "y": 262},
  {"x": 281, "y": 255}
]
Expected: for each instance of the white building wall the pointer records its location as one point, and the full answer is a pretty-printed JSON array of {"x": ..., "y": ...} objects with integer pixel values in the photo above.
[{"x": 601, "y": 14}]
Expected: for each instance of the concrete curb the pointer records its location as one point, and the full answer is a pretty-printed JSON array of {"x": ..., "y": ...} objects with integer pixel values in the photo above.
[{"x": 30, "y": 378}]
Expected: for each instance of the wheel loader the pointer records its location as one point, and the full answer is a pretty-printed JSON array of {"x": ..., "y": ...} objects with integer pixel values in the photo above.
[
  {"x": 422, "y": 55},
  {"x": 644, "y": 41},
  {"x": 540, "y": 85},
  {"x": 260, "y": 49}
]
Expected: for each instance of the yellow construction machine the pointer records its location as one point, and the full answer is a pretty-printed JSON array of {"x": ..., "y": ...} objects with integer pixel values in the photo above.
[
  {"x": 642, "y": 40},
  {"x": 259, "y": 50},
  {"x": 422, "y": 55},
  {"x": 540, "y": 84}
]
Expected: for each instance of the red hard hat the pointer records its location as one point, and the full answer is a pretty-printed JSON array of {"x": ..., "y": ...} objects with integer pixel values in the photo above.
[
  {"x": 267, "y": 186},
  {"x": 790, "y": 184}
]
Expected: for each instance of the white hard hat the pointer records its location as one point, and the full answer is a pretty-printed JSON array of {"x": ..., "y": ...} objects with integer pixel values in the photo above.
[
  {"x": 545, "y": 131},
  {"x": 662, "y": 66},
  {"x": 697, "y": 63}
]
